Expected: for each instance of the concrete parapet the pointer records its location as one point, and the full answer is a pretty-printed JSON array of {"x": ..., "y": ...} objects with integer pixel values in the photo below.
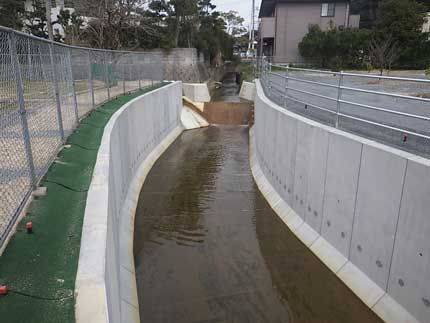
[
  {"x": 360, "y": 206},
  {"x": 247, "y": 91},
  {"x": 134, "y": 138},
  {"x": 196, "y": 92}
]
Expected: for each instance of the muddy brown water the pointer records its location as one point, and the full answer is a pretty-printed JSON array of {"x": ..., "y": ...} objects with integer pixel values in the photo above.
[{"x": 208, "y": 248}]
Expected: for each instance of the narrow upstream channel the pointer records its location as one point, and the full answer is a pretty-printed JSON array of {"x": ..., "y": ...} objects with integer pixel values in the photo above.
[{"x": 208, "y": 248}]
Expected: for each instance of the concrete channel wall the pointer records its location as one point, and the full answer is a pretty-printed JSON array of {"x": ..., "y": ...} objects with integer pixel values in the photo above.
[
  {"x": 363, "y": 208},
  {"x": 133, "y": 139}
]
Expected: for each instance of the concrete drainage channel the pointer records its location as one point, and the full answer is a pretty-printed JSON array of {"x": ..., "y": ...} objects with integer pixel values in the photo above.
[{"x": 133, "y": 132}]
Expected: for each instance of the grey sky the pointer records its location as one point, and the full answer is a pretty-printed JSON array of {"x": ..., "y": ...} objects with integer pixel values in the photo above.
[{"x": 241, "y": 6}]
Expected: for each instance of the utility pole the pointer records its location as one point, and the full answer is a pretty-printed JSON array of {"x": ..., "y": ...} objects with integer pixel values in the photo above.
[
  {"x": 48, "y": 19},
  {"x": 251, "y": 31}
]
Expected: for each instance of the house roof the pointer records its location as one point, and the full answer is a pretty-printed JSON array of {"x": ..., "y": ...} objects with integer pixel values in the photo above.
[{"x": 267, "y": 6}]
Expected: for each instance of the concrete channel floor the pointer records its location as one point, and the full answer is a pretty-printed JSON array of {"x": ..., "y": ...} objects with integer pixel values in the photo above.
[{"x": 208, "y": 248}]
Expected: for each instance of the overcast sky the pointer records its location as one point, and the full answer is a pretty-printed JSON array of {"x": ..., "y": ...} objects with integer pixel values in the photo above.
[{"x": 241, "y": 6}]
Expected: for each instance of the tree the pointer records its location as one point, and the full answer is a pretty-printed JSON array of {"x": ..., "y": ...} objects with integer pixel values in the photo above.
[
  {"x": 12, "y": 14},
  {"x": 213, "y": 39},
  {"x": 384, "y": 53},
  {"x": 401, "y": 21},
  {"x": 114, "y": 25},
  {"x": 234, "y": 23},
  {"x": 367, "y": 10},
  {"x": 72, "y": 25},
  {"x": 36, "y": 20},
  {"x": 335, "y": 48}
]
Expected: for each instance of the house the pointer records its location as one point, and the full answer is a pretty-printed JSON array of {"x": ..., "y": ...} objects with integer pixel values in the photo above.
[{"x": 284, "y": 23}]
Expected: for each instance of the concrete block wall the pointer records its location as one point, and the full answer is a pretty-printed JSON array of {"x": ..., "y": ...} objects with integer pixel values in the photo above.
[
  {"x": 134, "y": 138},
  {"x": 360, "y": 206}
]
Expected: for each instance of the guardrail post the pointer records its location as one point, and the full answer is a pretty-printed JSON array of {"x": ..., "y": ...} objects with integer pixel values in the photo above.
[
  {"x": 21, "y": 108},
  {"x": 56, "y": 91},
  {"x": 339, "y": 96},
  {"x": 90, "y": 81},
  {"x": 106, "y": 75},
  {"x": 287, "y": 76},
  {"x": 268, "y": 78},
  {"x": 75, "y": 100}
]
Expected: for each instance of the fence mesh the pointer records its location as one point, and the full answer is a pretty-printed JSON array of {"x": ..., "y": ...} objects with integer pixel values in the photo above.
[{"x": 45, "y": 89}]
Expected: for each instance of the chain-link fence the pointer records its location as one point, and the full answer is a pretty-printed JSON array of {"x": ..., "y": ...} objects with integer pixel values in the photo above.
[{"x": 45, "y": 89}]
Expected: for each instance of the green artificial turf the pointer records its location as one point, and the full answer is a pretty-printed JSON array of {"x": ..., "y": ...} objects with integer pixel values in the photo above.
[{"x": 40, "y": 268}]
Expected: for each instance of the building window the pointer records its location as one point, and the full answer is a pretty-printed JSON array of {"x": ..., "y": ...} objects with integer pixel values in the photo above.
[{"x": 327, "y": 9}]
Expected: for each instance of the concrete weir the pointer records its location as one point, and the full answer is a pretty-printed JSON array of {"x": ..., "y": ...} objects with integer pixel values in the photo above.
[{"x": 360, "y": 206}]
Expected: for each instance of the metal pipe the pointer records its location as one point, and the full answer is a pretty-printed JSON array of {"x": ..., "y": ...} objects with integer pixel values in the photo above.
[
  {"x": 106, "y": 74},
  {"x": 370, "y": 107},
  {"x": 75, "y": 101},
  {"x": 394, "y": 95},
  {"x": 313, "y": 82},
  {"x": 339, "y": 96},
  {"x": 56, "y": 92},
  {"x": 22, "y": 110},
  {"x": 314, "y": 94},
  {"x": 123, "y": 76},
  {"x": 386, "y": 126},
  {"x": 90, "y": 79}
]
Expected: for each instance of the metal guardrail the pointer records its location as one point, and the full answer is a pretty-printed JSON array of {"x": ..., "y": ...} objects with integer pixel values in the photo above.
[
  {"x": 46, "y": 88},
  {"x": 368, "y": 99}
]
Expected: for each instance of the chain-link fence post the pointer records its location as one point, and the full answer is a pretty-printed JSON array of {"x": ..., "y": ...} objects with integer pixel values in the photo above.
[
  {"x": 56, "y": 91},
  {"x": 123, "y": 74},
  {"x": 30, "y": 63},
  {"x": 90, "y": 81},
  {"x": 106, "y": 74},
  {"x": 21, "y": 108},
  {"x": 139, "y": 73},
  {"x": 75, "y": 100}
]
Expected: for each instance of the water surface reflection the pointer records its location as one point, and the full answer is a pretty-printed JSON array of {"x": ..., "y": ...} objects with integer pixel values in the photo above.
[{"x": 209, "y": 249}]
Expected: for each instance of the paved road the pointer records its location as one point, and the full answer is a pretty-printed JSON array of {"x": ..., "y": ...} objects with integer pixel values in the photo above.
[
  {"x": 414, "y": 144},
  {"x": 208, "y": 247}
]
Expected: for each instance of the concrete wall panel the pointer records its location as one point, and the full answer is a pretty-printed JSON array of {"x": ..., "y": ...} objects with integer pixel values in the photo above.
[
  {"x": 410, "y": 269},
  {"x": 287, "y": 130},
  {"x": 375, "y": 206},
  {"x": 316, "y": 178},
  {"x": 133, "y": 139},
  {"x": 301, "y": 173},
  {"x": 377, "y": 209},
  {"x": 343, "y": 164}
]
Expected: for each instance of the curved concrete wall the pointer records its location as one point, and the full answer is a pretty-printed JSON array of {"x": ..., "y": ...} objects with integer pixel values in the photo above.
[
  {"x": 363, "y": 208},
  {"x": 133, "y": 139}
]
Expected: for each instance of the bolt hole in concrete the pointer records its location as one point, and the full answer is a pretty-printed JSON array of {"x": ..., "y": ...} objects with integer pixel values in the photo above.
[{"x": 208, "y": 248}]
